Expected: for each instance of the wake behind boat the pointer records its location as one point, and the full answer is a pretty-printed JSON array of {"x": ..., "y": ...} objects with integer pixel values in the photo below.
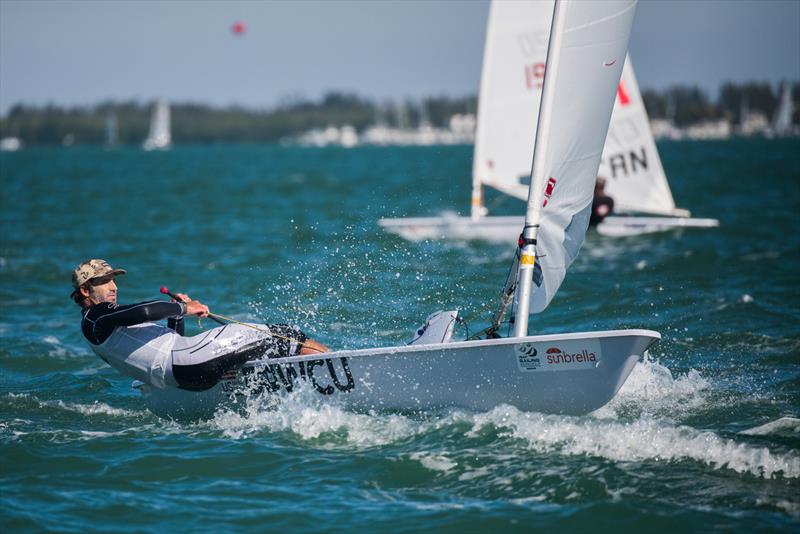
[
  {"x": 510, "y": 94},
  {"x": 571, "y": 373}
]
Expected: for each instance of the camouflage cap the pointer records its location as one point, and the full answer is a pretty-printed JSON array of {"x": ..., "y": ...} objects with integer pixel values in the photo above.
[{"x": 92, "y": 269}]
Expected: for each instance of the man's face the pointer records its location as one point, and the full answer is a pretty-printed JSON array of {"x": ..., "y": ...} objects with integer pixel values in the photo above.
[{"x": 101, "y": 290}]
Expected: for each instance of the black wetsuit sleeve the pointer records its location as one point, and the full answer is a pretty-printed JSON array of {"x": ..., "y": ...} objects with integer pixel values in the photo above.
[
  {"x": 176, "y": 323},
  {"x": 100, "y": 320}
]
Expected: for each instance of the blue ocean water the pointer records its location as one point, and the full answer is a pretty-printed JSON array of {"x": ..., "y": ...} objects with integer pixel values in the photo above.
[{"x": 704, "y": 434}]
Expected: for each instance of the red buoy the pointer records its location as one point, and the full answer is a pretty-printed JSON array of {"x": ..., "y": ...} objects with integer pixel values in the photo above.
[{"x": 238, "y": 28}]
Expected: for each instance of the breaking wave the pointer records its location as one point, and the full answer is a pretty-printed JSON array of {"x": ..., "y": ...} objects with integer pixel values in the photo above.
[
  {"x": 95, "y": 408},
  {"x": 789, "y": 426},
  {"x": 653, "y": 389},
  {"x": 645, "y": 439}
]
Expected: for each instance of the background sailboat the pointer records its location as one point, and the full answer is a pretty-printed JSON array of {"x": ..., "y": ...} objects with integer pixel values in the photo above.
[
  {"x": 635, "y": 177},
  {"x": 160, "y": 136},
  {"x": 510, "y": 94},
  {"x": 782, "y": 125},
  {"x": 562, "y": 373},
  {"x": 112, "y": 131}
]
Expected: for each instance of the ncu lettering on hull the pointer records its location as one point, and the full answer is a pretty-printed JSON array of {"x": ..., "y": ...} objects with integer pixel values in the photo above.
[{"x": 322, "y": 374}]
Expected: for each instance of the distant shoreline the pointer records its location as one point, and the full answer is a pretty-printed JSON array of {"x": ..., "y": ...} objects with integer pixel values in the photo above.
[{"x": 682, "y": 106}]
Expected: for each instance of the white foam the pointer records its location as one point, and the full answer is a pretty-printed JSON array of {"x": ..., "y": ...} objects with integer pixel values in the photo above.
[
  {"x": 789, "y": 507},
  {"x": 58, "y": 350},
  {"x": 97, "y": 408},
  {"x": 434, "y": 462},
  {"x": 788, "y": 425},
  {"x": 476, "y": 472},
  {"x": 304, "y": 413},
  {"x": 92, "y": 434},
  {"x": 644, "y": 439},
  {"x": 652, "y": 388}
]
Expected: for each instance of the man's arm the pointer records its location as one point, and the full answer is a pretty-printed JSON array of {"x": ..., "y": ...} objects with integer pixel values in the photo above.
[{"x": 102, "y": 318}]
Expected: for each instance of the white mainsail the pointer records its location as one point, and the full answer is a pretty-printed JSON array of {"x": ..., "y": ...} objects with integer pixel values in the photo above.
[
  {"x": 634, "y": 176},
  {"x": 510, "y": 92},
  {"x": 160, "y": 137},
  {"x": 511, "y": 87},
  {"x": 588, "y": 46}
]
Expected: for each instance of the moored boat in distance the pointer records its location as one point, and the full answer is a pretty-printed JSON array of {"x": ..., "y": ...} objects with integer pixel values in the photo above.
[{"x": 10, "y": 144}]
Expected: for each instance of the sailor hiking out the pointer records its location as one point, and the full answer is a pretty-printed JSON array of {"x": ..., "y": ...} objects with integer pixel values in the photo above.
[{"x": 128, "y": 337}]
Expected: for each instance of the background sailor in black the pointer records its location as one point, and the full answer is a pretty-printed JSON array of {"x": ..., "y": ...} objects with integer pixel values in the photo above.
[
  {"x": 144, "y": 348},
  {"x": 602, "y": 204}
]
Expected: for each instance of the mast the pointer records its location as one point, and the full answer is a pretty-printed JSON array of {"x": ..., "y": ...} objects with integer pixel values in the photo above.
[
  {"x": 477, "y": 209},
  {"x": 527, "y": 259}
]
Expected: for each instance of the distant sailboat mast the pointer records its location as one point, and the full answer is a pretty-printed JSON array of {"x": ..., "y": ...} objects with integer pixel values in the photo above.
[
  {"x": 160, "y": 137},
  {"x": 783, "y": 117},
  {"x": 111, "y": 130},
  {"x": 477, "y": 209}
]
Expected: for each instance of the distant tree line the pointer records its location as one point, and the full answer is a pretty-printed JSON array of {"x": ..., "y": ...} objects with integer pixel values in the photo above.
[
  {"x": 198, "y": 123},
  {"x": 690, "y": 105}
]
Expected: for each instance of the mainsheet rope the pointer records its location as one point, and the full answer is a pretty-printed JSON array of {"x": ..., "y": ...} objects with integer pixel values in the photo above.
[{"x": 219, "y": 318}]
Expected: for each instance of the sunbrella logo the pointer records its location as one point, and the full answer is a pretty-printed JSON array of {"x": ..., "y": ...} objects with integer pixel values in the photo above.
[{"x": 557, "y": 356}]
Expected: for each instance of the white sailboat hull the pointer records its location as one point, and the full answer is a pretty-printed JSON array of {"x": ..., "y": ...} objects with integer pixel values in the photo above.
[
  {"x": 565, "y": 373},
  {"x": 492, "y": 229},
  {"x": 507, "y": 229},
  {"x": 614, "y": 226}
]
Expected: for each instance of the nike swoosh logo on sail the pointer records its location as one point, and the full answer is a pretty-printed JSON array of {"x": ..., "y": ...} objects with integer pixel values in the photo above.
[{"x": 609, "y": 63}]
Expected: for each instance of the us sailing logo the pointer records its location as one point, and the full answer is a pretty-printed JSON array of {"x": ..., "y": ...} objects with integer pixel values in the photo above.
[{"x": 528, "y": 357}]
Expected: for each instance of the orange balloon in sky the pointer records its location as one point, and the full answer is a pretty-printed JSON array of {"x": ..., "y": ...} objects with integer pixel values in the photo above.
[{"x": 238, "y": 28}]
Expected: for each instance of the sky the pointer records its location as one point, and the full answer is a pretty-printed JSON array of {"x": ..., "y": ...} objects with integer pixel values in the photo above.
[{"x": 70, "y": 53}]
